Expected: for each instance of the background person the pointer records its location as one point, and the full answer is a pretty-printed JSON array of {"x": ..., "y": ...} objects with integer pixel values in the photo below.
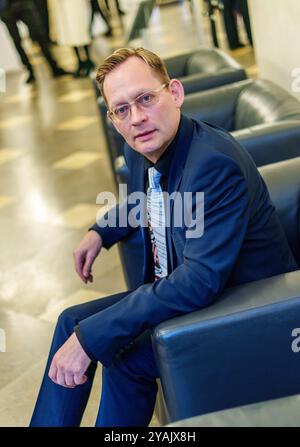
[
  {"x": 231, "y": 9},
  {"x": 13, "y": 11},
  {"x": 120, "y": 11},
  {"x": 70, "y": 27},
  {"x": 96, "y": 9},
  {"x": 42, "y": 7}
]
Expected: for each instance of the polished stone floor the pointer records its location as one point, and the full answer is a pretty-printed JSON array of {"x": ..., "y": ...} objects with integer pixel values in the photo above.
[{"x": 53, "y": 163}]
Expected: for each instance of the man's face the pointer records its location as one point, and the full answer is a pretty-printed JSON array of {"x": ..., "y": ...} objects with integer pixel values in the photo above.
[{"x": 148, "y": 131}]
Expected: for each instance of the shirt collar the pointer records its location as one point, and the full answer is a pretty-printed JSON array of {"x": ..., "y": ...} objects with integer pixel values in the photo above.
[{"x": 164, "y": 162}]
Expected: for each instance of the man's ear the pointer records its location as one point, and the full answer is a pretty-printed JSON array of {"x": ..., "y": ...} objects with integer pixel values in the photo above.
[
  {"x": 106, "y": 103},
  {"x": 177, "y": 91}
]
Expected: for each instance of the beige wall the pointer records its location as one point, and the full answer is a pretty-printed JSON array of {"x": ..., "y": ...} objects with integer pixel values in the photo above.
[{"x": 276, "y": 34}]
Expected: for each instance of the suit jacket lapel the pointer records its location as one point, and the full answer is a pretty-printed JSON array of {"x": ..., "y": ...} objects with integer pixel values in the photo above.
[
  {"x": 176, "y": 172},
  {"x": 139, "y": 171}
]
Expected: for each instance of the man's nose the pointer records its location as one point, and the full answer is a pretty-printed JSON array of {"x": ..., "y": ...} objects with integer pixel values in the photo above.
[{"x": 137, "y": 115}]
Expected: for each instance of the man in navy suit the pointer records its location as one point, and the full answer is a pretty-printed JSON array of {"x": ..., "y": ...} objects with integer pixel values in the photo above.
[{"x": 241, "y": 241}]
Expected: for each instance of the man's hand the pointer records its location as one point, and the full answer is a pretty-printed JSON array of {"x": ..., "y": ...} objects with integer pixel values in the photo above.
[
  {"x": 85, "y": 254},
  {"x": 69, "y": 364}
]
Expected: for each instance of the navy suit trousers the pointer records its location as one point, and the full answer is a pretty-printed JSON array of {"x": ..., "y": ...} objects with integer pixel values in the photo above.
[{"x": 129, "y": 385}]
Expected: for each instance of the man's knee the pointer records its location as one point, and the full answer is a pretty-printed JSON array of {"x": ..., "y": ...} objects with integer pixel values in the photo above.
[
  {"x": 135, "y": 361},
  {"x": 68, "y": 319}
]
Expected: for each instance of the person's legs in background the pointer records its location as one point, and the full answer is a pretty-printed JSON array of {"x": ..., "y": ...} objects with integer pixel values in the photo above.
[
  {"x": 230, "y": 24},
  {"x": 42, "y": 7},
  {"x": 84, "y": 66},
  {"x": 80, "y": 63},
  {"x": 13, "y": 30},
  {"x": 30, "y": 16},
  {"x": 97, "y": 9},
  {"x": 120, "y": 11},
  {"x": 89, "y": 64},
  {"x": 242, "y": 6}
]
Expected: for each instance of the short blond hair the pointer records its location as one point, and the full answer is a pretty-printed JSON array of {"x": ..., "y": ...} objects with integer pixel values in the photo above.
[{"x": 121, "y": 55}]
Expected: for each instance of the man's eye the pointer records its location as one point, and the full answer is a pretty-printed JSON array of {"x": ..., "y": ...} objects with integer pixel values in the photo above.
[
  {"x": 122, "y": 110},
  {"x": 146, "y": 99}
]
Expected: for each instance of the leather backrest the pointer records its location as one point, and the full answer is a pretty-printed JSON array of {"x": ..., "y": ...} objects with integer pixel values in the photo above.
[
  {"x": 209, "y": 60},
  {"x": 216, "y": 106},
  {"x": 283, "y": 182},
  {"x": 175, "y": 65},
  {"x": 264, "y": 102},
  {"x": 204, "y": 69}
]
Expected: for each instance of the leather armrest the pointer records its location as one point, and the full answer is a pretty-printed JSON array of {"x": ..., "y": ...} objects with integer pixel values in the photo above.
[
  {"x": 121, "y": 169},
  {"x": 115, "y": 140},
  {"x": 270, "y": 143},
  {"x": 235, "y": 352}
]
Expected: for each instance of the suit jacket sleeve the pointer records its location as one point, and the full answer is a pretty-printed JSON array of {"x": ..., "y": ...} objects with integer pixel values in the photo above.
[
  {"x": 197, "y": 282},
  {"x": 109, "y": 226}
]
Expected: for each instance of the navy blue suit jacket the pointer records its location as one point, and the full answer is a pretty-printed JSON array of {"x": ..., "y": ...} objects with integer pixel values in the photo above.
[{"x": 242, "y": 241}]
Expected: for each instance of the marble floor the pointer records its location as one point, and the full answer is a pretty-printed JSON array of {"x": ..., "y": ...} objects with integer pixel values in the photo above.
[{"x": 53, "y": 163}]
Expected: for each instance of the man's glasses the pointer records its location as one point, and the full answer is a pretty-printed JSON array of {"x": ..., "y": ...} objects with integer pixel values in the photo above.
[{"x": 143, "y": 101}]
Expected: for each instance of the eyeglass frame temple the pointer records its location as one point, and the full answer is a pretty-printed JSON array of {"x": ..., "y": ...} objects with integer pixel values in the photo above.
[{"x": 160, "y": 88}]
